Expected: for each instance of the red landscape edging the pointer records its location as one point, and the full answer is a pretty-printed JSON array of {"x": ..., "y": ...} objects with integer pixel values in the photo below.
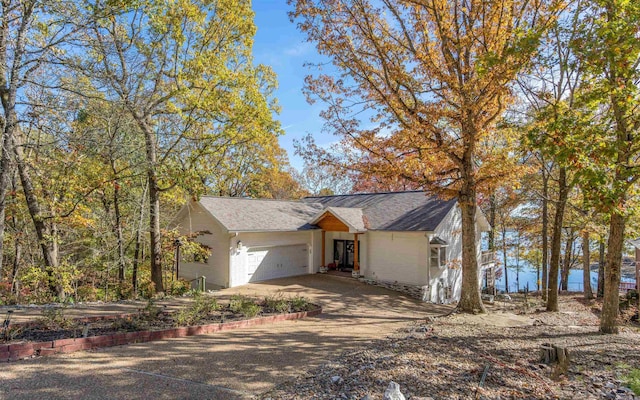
[{"x": 18, "y": 351}]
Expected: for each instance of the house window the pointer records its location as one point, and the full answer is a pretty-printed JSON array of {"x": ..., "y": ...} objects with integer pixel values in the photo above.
[
  {"x": 438, "y": 257},
  {"x": 438, "y": 252},
  {"x": 435, "y": 257}
]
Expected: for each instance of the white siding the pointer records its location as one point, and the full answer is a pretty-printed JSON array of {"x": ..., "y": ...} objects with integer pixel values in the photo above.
[
  {"x": 397, "y": 257},
  {"x": 216, "y": 270}
]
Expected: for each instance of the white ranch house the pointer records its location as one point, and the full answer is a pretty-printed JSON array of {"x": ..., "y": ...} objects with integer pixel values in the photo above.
[{"x": 407, "y": 239}]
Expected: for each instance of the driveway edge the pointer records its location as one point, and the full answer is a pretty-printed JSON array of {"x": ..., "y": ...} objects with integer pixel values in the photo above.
[{"x": 19, "y": 351}]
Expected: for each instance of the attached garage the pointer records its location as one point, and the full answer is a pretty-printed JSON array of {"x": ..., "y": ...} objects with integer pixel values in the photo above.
[{"x": 273, "y": 262}]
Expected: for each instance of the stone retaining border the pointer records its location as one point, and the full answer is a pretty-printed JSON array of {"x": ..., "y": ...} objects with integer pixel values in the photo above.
[
  {"x": 416, "y": 291},
  {"x": 21, "y": 350}
]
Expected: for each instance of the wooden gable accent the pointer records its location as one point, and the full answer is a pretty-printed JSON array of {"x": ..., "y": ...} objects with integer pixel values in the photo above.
[{"x": 329, "y": 222}]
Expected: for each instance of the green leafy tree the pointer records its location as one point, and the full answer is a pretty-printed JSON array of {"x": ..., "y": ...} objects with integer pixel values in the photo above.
[
  {"x": 610, "y": 49},
  {"x": 32, "y": 34},
  {"x": 183, "y": 71}
]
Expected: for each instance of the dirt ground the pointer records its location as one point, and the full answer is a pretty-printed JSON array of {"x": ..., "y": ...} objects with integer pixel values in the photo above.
[{"x": 484, "y": 356}]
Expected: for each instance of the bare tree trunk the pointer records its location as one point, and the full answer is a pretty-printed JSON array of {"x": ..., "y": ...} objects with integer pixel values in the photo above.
[
  {"x": 5, "y": 174},
  {"x": 586, "y": 265},
  {"x": 154, "y": 228},
  {"x": 17, "y": 239},
  {"x": 118, "y": 232},
  {"x": 136, "y": 257},
  {"x": 470, "y": 299},
  {"x": 552, "y": 300},
  {"x": 492, "y": 222},
  {"x": 137, "y": 252},
  {"x": 17, "y": 258},
  {"x": 11, "y": 60},
  {"x": 55, "y": 252},
  {"x": 611, "y": 299},
  {"x": 545, "y": 234},
  {"x": 7, "y": 139},
  {"x": 118, "y": 229},
  {"x": 154, "y": 204},
  {"x": 566, "y": 263},
  {"x": 43, "y": 234},
  {"x": 601, "y": 266}
]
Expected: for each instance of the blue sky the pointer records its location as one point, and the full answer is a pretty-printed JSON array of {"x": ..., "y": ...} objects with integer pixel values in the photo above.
[{"x": 279, "y": 44}]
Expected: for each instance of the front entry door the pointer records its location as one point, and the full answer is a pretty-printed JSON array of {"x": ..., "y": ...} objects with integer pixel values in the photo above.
[{"x": 343, "y": 253}]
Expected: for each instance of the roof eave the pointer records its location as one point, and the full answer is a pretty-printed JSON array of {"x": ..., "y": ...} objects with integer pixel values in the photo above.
[{"x": 271, "y": 230}]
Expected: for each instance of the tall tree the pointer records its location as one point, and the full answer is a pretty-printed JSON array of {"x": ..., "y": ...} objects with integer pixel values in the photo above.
[
  {"x": 611, "y": 52},
  {"x": 556, "y": 127},
  {"x": 31, "y": 33},
  {"x": 586, "y": 264},
  {"x": 433, "y": 77},
  {"x": 184, "y": 72}
]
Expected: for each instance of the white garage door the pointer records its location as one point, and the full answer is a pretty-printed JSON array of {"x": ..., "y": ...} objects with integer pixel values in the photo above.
[{"x": 276, "y": 262}]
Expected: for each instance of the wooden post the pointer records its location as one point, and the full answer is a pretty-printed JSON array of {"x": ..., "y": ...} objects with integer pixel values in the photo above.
[
  {"x": 356, "y": 266},
  {"x": 323, "y": 249}
]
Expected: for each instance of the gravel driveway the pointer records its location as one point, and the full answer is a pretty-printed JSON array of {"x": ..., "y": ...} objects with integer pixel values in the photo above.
[{"x": 227, "y": 365}]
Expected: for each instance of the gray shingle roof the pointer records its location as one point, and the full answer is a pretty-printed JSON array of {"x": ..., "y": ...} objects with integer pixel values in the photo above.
[
  {"x": 398, "y": 211},
  {"x": 240, "y": 214}
]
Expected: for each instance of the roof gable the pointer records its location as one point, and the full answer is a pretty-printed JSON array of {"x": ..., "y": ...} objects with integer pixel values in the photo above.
[
  {"x": 238, "y": 214},
  {"x": 351, "y": 219}
]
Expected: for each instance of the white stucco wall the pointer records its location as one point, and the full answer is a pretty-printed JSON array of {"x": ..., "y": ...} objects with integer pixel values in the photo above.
[
  {"x": 194, "y": 219},
  {"x": 238, "y": 257}
]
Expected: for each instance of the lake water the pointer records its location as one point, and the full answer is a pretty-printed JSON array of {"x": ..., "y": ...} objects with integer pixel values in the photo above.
[{"x": 528, "y": 276}]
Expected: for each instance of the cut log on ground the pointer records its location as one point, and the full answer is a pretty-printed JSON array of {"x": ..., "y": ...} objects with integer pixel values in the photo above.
[{"x": 552, "y": 354}]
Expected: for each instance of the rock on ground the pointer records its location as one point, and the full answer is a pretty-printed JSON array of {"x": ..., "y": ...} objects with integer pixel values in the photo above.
[
  {"x": 444, "y": 358},
  {"x": 393, "y": 392}
]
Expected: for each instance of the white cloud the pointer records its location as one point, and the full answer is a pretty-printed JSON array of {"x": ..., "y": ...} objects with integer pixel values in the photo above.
[{"x": 299, "y": 49}]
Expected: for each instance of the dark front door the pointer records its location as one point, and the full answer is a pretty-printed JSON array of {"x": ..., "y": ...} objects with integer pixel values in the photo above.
[{"x": 343, "y": 253}]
